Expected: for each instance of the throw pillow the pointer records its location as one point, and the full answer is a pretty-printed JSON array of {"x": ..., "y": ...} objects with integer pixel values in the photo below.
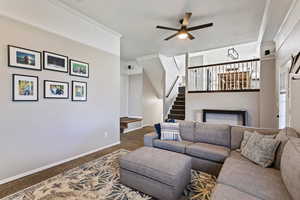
[
  {"x": 170, "y": 121},
  {"x": 158, "y": 130},
  {"x": 248, "y": 134},
  {"x": 260, "y": 149},
  {"x": 170, "y": 131}
]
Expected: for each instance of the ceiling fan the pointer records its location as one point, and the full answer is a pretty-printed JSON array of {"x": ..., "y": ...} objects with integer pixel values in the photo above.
[{"x": 183, "y": 32}]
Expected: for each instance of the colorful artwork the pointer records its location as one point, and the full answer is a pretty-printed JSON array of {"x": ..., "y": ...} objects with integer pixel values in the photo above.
[
  {"x": 24, "y": 58},
  {"x": 78, "y": 68},
  {"x": 79, "y": 91},
  {"x": 25, "y": 88},
  {"x": 56, "y": 90}
]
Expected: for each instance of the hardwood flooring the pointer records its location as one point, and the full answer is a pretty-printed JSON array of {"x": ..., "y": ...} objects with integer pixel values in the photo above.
[{"x": 129, "y": 141}]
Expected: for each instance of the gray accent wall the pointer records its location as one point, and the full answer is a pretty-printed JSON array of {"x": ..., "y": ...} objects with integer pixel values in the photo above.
[{"x": 37, "y": 134}]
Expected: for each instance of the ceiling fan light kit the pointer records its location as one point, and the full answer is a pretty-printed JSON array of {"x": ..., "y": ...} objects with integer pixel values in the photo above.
[{"x": 183, "y": 32}]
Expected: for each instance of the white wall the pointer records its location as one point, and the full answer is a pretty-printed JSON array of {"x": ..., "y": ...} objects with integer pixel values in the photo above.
[
  {"x": 124, "y": 85},
  {"x": 267, "y": 102},
  {"x": 55, "y": 17},
  {"x": 135, "y": 95},
  {"x": 261, "y": 106},
  {"x": 152, "y": 105},
  {"x": 287, "y": 44},
  {"x": 249, "y": 101},
  {"x": 37, "y": 134},
  {"x": 246, "y": 51}
]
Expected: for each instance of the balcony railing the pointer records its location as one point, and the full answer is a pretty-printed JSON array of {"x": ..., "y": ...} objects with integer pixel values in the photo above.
[{"x": 225, "y": 77}]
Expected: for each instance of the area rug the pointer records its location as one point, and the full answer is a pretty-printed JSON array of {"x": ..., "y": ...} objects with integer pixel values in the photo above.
[{"x": 99, "y": 179}]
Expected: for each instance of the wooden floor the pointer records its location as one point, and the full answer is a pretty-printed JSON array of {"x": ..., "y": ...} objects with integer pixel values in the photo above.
[{"x": 129, "y": 141}]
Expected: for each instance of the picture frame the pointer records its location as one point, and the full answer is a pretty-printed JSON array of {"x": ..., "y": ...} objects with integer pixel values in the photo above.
[
  {"x": 79, "y": 91},
  {"x": 78, "y": 68},
  {"x": 55, "y": 62},
  {"x": 24, "y": 58},
  {"x": 25, "y": 88},
  {"x": 56, "y": 89}
]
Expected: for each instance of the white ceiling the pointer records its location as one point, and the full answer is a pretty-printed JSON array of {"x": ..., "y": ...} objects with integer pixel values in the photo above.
[{"x": 235, "y": 22}]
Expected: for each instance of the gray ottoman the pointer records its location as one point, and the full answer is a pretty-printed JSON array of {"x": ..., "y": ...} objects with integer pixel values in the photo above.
[{"x": 158, "y": 173}]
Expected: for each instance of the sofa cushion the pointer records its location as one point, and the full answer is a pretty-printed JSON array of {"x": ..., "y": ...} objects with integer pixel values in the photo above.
[
  {"x": 259, "y": 148},
  {"x": 237, "y": 133},
  {"x": 187, "y": 129},
  {"x": 208, "y": 151},
  {"x": 225, "y": 192},
  {"x": 290, "y": 167},
  {"x": 283, "y": 137},
  {"x": 163, "y": 166},
  {"x": 217, "y": 134},
  {"x": 264, "y": 183},
  {"x": 171, "y": 145}
]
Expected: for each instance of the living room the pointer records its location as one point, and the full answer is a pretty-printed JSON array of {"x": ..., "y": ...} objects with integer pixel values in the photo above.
[{"x": 209, "y": 92}]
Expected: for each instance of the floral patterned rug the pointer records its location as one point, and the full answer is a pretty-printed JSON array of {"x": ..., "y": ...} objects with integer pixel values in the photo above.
[{"x": 99, "y": 179}]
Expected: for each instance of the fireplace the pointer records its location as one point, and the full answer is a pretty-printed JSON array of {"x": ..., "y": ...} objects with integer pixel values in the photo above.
[{"x": 232, "y": 117}]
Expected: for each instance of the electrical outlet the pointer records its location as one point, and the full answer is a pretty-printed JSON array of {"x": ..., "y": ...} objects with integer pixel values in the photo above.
[{"x": 105, "y": 134}]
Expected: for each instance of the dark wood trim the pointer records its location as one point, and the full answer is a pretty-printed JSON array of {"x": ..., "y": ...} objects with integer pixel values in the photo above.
[
  {"x": 295, "y": 79},
  {"x": 225, "y": 63},
  {"x": 243, "y": 113},
  {"x": 172, "y": 87},
  {"x": 294, "y": 61},
  {"x": 214, "y": 91},
  {"x": 176, "y": 63}
]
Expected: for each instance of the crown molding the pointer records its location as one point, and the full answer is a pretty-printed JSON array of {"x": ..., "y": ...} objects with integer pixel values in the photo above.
[
  {"x": 283, "y": 30},
  {"x": 85, "y": 18}
]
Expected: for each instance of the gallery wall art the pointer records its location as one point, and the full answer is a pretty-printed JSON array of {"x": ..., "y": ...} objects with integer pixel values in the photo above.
[
  {"x": 79, "y": 91},
  {"x": 25, "y": 88},
  {"x": 55, "y": 62},
  {"x": 24, "y": 58},
  {"x": 78, "y": 68},
  {"x": 56, "y": 90}
]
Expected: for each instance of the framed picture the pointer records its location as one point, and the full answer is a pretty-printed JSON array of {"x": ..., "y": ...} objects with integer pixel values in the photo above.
[
  {"x": 79, "y": 91},
  {"x": 56, "y": 90},
  {"x": 25, "y": 88},
  {"x": 55, "y": 62},
  {"x": 24, "y": 58},
  {"x": 78, "y": 68}
]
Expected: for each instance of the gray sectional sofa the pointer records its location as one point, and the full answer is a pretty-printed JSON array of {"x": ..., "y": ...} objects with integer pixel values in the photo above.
[{"x": 215, "y": 149}]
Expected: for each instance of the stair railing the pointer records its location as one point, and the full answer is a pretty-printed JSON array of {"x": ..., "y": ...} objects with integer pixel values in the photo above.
[
  {"x": 238, "y": 76},
  {"x": 172, "y": 87}
]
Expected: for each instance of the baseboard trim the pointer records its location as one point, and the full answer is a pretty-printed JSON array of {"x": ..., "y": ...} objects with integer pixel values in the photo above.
[
  {"x": 133, "y": 129},
  {"x": 6, "y": 180}
]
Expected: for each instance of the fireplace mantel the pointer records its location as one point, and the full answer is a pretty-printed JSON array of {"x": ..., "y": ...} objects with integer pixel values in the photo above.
[{"x": 242, "y": 113}]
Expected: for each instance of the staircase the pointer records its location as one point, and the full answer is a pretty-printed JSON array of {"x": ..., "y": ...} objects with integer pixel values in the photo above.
[{"x": 178, "y": 108}]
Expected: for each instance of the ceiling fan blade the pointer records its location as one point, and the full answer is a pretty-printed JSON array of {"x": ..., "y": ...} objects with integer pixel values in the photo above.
[
  {"x": 186, "y": 19},
  {"x": 167, "y": 28},
  {"x": 190, "y": 36},
  {"x": 199, "y": 27},
  {"x": 172, "y": 36}
]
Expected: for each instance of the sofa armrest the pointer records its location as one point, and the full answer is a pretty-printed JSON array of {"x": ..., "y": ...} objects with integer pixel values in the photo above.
[{"x": 148, "y": 139}]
